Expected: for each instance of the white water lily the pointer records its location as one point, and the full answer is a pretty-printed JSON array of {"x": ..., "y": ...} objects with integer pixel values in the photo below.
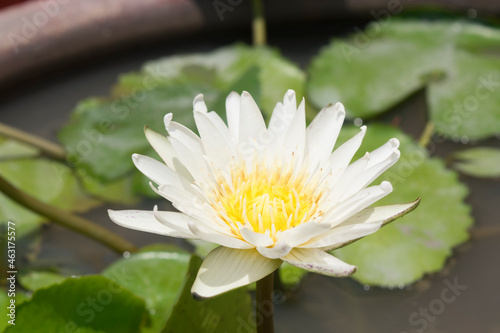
[{"x": 265, "y": 194}]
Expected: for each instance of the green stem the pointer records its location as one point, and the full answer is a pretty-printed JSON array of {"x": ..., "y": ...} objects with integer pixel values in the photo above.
[
  {"x": 258, "y": 24},
  {"x": 426, "y": 136},
  {"x": 264, "y": 305},
  {"x": 67, "y": 219},
  {"x": 47, "y": 147}
]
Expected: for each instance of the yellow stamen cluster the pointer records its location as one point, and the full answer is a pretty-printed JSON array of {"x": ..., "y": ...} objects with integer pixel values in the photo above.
[{"x": 266, "y": 200}]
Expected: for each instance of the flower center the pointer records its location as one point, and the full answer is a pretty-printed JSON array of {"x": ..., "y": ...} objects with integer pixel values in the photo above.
[{"x": 268, "y": 201}]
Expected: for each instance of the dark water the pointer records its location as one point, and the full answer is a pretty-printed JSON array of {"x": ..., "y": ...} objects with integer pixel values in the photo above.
[{"x": 463, "y": 298}]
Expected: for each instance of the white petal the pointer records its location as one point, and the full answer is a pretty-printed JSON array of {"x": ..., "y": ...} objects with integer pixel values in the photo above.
[
  {"x": 233, "y": 114},
  {"x": 161, "y": 145},
  {"x": 199, "y": 104},
  {"x": 342, "y": 234},
  {"x": 356, "y": 203},
  {"x": 225, "y": 269},
  {"x": 295, "y": 139},
  {"x": 195, "y": 206},
  {"x": 290, "y": 101},
  {"x": 217, "y": 142},
  {"x": 158, "y": 172},
  {"x": 381, "y": 153},
  {"x": 349, "y": 175},
  {"x": 279, "y": 124},
  {"x": 208, "y": 235},
  {"x": 183, "y": 134},
  {"x": 379, "y": 160},
  {"x": 342, "y": 156},
  {"x": 174, "y": 220},
  {"x": 252, "y": 125},
  {"x": 279, "y": 250},
  {"x": 302, "y": 233},
  {"x": 193, "y": 161},
  {"x": 317, "y": 261},
  {"x": 182, "y": 199},
  {"x": 256, "y": 238},
  {"x": 144, "y": 220},
  {"x": 369, "y": 216},
  {"x": 323, "y": 132}
]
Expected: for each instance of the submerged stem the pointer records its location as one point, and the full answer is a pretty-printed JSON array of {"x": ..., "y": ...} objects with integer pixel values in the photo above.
[
  {"x": 264, "y": 305},
  {"x": 67, "y": 219},
  {"x": 258, "y": 24},
  {"x": 47, "y": 147}
]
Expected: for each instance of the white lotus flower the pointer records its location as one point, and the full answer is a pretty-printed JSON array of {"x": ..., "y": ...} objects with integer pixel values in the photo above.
[{"x": 266, "y": 195}]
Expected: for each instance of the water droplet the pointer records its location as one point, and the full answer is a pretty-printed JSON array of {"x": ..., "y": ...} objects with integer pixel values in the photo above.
[
  {"x": 464, "y": 139},
  {"x": 472, "y": 13},
  {"x": 455, "y": 138},
  {"x": 366, "y": 287},
  {"x": 126, "y": 254},
  {"x": 401, "y": 286},
  {"x": 152, "y": 312},
  {"x": 358, "y": 122}
]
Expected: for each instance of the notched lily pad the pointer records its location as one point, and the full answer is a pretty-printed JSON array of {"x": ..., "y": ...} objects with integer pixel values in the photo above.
[
  {"x": 421, "y": 241},
  {"x": 457, "y": 62}
]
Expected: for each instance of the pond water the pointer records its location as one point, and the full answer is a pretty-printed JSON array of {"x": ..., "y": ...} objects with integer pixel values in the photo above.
[{"x": 464, "y": 297}]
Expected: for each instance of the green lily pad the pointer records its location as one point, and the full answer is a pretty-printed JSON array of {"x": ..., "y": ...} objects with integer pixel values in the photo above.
[
  {"x": 48, "y": 181},
  {"x": 291, "y": 275},
  {"x": 104, "y": 132},
  {"x": 482, "y": 162},
  {"x": 157, "y": 277},
  {"x": 91, "y": 304},
  {"x": 36, "y": 280},
  {"x": 229, "y": 312},
  {"x": 5, "y": 303},
  {"x": 458, "y": 63},
  {"x": 120, "y": 191},
  {"x": 420, "y": 242},
  {"x": 12, "y": 149}
]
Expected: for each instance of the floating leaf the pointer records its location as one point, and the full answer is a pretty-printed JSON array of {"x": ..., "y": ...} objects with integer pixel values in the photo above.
[
  {"x": 35, "y": 280},
  {"x": 157, "y": 277},
  {"x": 104, "y": 133},
  {"x": 12, "y": 149},
  {"x": 91, "y": 304},
  {"x": 483, "y": 162},
  {"x": 48, "y": 181},
  {"x": 376, "y": 69},
  {"x": 421, "y": 241},
  {"x": 229, "y": 312},
  {"x": 119, "y": 191},
  {"x": 291, "y": 275},
  {"x": 6, "y": 307}
]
